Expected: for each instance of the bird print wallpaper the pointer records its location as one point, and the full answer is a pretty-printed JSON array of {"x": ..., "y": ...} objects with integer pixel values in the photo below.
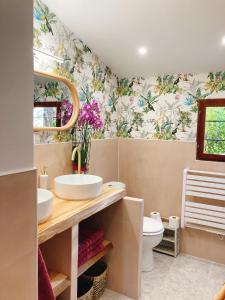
[
  {"x": 165, "y": 107},
  {"x": 160, "y": 107},
  {"x": 75, "y": 61}
]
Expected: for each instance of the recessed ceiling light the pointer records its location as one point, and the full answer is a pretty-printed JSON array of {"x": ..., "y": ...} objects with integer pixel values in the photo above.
[
  {"x": 142, "y": 50},
  {"x": 223, "y": 41}
]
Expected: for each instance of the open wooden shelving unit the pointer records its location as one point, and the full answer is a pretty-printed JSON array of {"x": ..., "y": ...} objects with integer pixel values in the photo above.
[
  {"x": 58, "y": 239},
  {"x": 60, "y": 282}
]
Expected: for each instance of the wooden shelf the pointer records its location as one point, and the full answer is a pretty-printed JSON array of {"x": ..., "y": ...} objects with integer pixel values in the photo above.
[
  {"x": 59, "y": 282},
  {"x": 164, "y": 250},
  {"x": 68, "y": 213},
  {"x": 107, "y": 247},
  {"x": 169, "y": 239},
  {"x": 170, "y": 243}
]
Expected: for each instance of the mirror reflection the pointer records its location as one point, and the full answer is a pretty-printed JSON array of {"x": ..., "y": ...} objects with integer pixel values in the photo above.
[{"x": 53, "y": 104}]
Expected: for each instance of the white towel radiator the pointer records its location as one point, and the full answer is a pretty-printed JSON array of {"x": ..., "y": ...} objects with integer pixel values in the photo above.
[{"x": 203, "y": 201}]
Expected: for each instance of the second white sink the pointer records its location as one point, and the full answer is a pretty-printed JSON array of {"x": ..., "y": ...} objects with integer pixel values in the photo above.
[
  {"x": 44, "y": 205},
  {"x": 78, "y": 186}
]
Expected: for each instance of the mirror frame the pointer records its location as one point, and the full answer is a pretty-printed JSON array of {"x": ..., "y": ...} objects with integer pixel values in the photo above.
[{"x": 75, "y": 99}]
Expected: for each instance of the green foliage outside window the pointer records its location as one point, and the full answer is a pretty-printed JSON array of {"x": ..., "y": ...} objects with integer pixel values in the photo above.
[{"x": 215, "y": 130}]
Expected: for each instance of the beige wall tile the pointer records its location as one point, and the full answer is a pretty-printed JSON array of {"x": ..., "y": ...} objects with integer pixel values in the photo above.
[
  {"x": 19, "y": 281},
  {"x": 57, "y": 157},
  {"x": 104, "y": 159},
  {"x": 16, "y": 82},
  {"x": 153, "y": 170},
  {"x": 18, "y": 222}
]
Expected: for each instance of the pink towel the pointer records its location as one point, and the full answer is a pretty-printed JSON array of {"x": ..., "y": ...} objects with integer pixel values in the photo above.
[
  {"x": 88, "y": 237},
  {"x": 83, "y": 258},
  {"x": 44, "y": 285},
  {"x": 90, "y": 243},
  {"x": 91, "y": 247}
]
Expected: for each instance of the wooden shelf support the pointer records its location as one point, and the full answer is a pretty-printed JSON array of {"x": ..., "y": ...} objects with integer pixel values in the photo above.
[{"x": 59, "y": 282}]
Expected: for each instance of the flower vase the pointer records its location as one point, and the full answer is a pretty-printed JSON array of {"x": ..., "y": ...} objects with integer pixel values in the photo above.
[{"x": 82, "y": 139}]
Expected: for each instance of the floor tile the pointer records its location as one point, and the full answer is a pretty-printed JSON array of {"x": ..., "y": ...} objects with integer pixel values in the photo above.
[{"x": 182, "y": 278}]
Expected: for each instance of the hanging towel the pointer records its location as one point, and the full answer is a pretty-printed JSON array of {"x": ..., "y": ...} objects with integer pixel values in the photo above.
[{"x": 44, "y": 286}]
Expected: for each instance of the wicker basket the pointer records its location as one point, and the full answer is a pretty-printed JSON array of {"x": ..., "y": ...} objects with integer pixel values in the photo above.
[
  {"x": 85, "y": 289},
  {"x": 98, "y": 273}
]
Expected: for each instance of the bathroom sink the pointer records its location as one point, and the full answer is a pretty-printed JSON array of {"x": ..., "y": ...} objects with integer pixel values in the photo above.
[
  {"x": 44, "y": 205},
  {"x": 78, "y": 186}
]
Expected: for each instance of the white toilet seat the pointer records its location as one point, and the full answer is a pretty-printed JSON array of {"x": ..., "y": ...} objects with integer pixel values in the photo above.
[
  {"x": 152, "y": 236},
  {"x": 152, "y": 226}
]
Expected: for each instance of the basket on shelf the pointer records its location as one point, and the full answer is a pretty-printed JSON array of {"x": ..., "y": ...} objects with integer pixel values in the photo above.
[
  {"x": 85, "y": 289},
  {"x": 98, "y": 273}
]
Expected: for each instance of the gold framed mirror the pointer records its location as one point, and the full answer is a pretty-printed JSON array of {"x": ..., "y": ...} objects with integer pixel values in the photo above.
[{"x": 56, "y": 102}]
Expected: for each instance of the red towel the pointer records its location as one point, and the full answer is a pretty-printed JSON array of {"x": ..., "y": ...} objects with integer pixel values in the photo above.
[
  {"x": 91, "y": 247},
  {"x": 87, "y": 237},
  {"x": 90, "y": 243},
  {"x": 82, "y": 259},
  {"x": 44, "y": 285}
]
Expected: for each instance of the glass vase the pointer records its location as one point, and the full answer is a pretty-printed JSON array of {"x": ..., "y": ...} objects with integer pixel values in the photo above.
[{"x": 81, "y": 137}]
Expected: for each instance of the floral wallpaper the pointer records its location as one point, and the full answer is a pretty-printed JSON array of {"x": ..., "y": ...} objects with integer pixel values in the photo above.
[
  {"x": 51, "y": 91},
  {"x": 164, "y": 107},
  {"x": 92, "y": 78},
  {"x": 161, "y": 107}
]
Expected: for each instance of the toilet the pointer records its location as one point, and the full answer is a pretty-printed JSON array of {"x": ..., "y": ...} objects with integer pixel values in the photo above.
[{"x": 152, "y": 236}]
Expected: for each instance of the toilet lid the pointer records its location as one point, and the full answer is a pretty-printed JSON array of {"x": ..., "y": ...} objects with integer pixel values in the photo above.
[{"x": 152, "y": 226}]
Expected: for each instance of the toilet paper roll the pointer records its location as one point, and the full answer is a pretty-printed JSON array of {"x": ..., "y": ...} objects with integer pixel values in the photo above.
[
  {"x": 174, "y": 222},
  {"x": 155, "y": 215}
]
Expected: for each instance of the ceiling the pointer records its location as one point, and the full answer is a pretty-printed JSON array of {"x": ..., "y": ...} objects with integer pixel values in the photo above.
[{"x": 180, "y": 35}]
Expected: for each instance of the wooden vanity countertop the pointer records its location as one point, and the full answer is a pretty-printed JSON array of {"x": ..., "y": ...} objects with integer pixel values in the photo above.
[{"x": 67, "y": 213}]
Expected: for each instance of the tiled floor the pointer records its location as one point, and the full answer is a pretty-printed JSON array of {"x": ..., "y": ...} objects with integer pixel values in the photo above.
[{"x": 181, "y": 278}]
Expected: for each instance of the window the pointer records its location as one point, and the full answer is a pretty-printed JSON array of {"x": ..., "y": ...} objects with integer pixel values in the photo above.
[
  {"x": 47, "y": 114},
  {"x": 211, "y": 130}
]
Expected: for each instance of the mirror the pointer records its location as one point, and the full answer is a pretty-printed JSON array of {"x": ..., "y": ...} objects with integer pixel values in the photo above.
[{"x": 56, "y": 102}]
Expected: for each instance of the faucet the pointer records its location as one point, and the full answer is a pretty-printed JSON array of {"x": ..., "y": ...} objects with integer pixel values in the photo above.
[{"x": 77, "y": 150}]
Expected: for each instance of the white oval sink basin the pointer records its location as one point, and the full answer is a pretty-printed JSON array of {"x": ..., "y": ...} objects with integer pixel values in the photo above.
[
  {"x": 78, "y": 186},
  {"x": 44, "y": 205}
]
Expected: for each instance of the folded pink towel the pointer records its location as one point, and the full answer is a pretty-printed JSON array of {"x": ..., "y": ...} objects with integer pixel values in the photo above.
[
  {"x": 88, "y": 237},
  {"x": 90, "y": 243},
  {"x": 44, "y": 285},
  {"x": 82, "y": 259},
  {"x": 85, "y": 250}
]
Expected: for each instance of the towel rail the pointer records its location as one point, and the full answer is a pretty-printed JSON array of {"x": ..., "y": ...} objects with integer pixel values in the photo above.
[{"x": 203, "y": 201}]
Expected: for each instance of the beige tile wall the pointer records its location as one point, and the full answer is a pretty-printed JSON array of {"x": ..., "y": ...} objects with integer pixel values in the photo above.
[
  {"x": 104, "y": 159},
  {"x": 57, "y": 157},
  {"x": 18, "y": 223},
  {"x": 16, "y": 85},
  {"x": 153, "y": 170}
]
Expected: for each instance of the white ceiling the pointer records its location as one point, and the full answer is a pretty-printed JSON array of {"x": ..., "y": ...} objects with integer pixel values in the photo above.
[{"x": 181, "y": 35}]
